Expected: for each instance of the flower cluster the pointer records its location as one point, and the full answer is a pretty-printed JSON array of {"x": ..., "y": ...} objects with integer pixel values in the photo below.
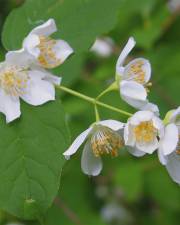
[
  {"x": 24, "y": 73},
  {"x": 143, "y": 133}
]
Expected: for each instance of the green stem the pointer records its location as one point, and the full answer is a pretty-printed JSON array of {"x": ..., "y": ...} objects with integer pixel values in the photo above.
[
  {"x": 92, "y": 100},
  {"x": 112, "y": 87},
  {"x": 96, "y": 113}
]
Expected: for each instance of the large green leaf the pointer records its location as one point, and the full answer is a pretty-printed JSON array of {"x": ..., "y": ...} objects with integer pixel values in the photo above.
[
  {"x": 79, "y": 21},
  {"x": 31, "y": 159}
]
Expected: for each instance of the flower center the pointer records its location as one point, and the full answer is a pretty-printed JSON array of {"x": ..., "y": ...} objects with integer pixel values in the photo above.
[
  {"x": 106, "y": 141},
  {"x": 13, "y": 80},
  {"x": 145, "y": 132},
  {"x": 47, "y": 57}
]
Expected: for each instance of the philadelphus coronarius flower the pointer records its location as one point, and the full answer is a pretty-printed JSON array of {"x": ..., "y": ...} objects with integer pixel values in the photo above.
[
  {"x": 169, "y": 150},
  {"x": 101, "y": 138},
  {"x": 134, "y": 78},
  {"x": 17, "y": 81},
  {"x": 142, "y": 133},
  {"x": 45, "y": 51}
]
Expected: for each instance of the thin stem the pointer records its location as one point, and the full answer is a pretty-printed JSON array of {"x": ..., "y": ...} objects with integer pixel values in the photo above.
[
  {"x": 96, "y": 113},
  {"x": 112, "y": 87},
  {"x": 92, "y": 100}
]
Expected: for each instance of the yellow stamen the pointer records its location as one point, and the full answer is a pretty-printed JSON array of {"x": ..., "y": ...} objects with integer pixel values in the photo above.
[
  {"x": 47, "y": 57},
  {"x": 13, "y": 80},
  {"x": 145, "y": 132},
  {"x": 106, "y": 141}
]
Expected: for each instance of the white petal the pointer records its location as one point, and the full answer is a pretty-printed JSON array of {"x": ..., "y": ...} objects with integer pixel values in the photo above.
[
  {"x": 173, "y": 167},
  {"x": 129, "y": 137},
  {"x": 38, "y": 91},
  {"x": 170, "y": 140},
  {"x": 162, "y": 158},
  {"x": 46, "y": 29},
  {"x": 133, "y": 90},
  {"x": 30, "y": 44},
  {"x": 174, "y": 117},
  {"x": 9, "y": 106},
  {"x": 48, "y": 76},
  {"x": 150, "y": 107},
  {"x": 19, "y": 57},
  {"x": 157, "y": 123},
  {"x": 141, "y": 116},
  {"x": 135, "y": 152},
  {"x": 77, "y": 143},
  {"x": 113, "y": 124},
  {"x": 53, "y": 79},
  {"x": 149, "y": 147},
  {"x": 126, "y": 50},
  {"x": 90, "y": 164},
  {"x": 138, "y": 104},
  {"x": 129, "y": 75},
  {"x": 62, "y": 50}
]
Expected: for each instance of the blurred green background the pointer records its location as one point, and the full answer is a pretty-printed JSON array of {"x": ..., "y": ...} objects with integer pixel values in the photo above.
[{"x": 129, "y": 191}]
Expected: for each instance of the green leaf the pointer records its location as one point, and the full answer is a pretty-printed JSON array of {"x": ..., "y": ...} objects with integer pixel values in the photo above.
[
  {"x": 79, "y": 21},
  {"x": 31, "y": 159}
]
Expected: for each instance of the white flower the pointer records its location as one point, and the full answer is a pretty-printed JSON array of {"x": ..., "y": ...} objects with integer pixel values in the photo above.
[
  {"x": 103, "y": 46},
  {"x": 142, "y": 132},
  {"x": 17, "y": 81},
  {"x": 45, "y": 51},
  {"x": 133, "y": 78},
  {"x": 101, "y": 138},
  {"x": 169, "y": 150}
]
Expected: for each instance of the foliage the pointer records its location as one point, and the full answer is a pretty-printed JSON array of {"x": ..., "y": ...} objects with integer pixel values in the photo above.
[{"x": 31, "y": 151}]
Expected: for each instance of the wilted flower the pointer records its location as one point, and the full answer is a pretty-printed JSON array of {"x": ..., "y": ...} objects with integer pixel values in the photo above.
[
  {"x": 142, "y": 133},
  {"x": 45, "y": 51},
  {"x": 133, "y": 78},
  {"x": 169, "y": 149},
  {"x": 103, "y": 46},
  {"x": 18, "y": 80},
  {"x": 101, "y": 138}
]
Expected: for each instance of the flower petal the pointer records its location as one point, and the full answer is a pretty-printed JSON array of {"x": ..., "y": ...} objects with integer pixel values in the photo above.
[
  {"x": 149, "y": 147},
  {"x": 112, "y": 124},
  {"x": 30, "y": 44},
  {"x": 162, "y": 158},
  {"x": 46, "y": 29},
  {"x": 77, "y": 143},
  {"x": 135, "y": 152},
  {"x": 19, "y": 57},
  {"x": 129, "y": 137},
  {"x": 141, "y": 116},
  {"x": 173, "y": 167},
  {"x": 9, "y": 106},
  {"x": 169, "y": 142},
  {"x": 38, "y": 91},
  {"x": 126, "y": 50},
  {"x": 146, "y": 68},
  {"x": 148, "y": 106},
  {"x": 133, "y": 90},
  {"x": 174, "y": 117},
  {"x": 90, "y": 164},
  {"x": 48, "y": 76},
  {"x": 138, "y": 104},
  {"x": 62, "y": 50}
]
